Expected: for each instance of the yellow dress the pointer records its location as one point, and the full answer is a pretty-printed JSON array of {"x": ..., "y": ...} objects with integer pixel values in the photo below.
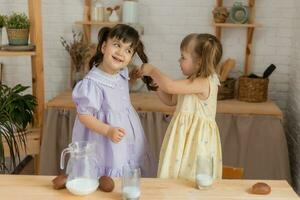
[{"x": 192, "y": 130}]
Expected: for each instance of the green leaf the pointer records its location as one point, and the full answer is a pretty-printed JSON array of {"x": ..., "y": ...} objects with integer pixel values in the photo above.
[
  {"x": 16, "y": 112},
  {"x": 17, "y": 21}
]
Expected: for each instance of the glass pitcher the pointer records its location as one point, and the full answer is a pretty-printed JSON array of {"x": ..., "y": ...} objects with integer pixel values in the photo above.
[{"x": 81, "y": 167}]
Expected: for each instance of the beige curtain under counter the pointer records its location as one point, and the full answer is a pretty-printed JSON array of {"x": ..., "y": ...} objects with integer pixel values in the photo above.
[
  {"x": 252, "y": 135},
  {"x": 256, "y": 143}
]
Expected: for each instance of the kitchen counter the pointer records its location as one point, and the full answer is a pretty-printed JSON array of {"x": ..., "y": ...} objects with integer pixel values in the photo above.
[{"x": 149, "y": 102}]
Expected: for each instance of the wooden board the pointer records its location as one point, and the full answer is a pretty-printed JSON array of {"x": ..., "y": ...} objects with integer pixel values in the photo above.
[
  {"x": 40, "y": 187},
  {"x": 17, "y": 53},
  {"x": 231, "y": 25},
  {"x": 109, "y": 24}
]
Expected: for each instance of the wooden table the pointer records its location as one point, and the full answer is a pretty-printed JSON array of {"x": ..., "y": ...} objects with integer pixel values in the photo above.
[{"x": 18, "y": 187}]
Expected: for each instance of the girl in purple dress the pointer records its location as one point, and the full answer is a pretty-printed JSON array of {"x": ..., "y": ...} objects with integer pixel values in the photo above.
[{"x": 104, "y": 111}]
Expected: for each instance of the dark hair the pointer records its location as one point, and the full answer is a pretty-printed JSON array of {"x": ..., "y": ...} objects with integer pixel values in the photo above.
[
  {"x": 126, "y": 34},
  {"x": 206, "y": 50}
]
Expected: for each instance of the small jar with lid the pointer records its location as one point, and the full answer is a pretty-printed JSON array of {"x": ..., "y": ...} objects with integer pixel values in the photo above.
[
  {"x": 98, "y": 11},
  {"x": 130, "y": 11}
]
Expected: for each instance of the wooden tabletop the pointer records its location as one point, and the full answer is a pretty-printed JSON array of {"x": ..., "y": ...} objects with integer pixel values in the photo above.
[
  {"x": 15, "y": 187},
  {"x": 149, "y": 102}
]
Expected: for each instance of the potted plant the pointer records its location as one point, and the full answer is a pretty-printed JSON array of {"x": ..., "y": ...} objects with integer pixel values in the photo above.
[
  {"x": 17, "y": 26},
  {"x": 2, "y": 23},
  {"x": 79, "y": 51},
  {"x": 16, "y": 112}
]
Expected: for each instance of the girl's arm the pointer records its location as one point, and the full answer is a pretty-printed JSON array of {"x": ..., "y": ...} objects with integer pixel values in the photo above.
[
  {"x": 186, "y": 86},
  {"x": 168, "y": 99},
  {"x": 115, "y": 134}
]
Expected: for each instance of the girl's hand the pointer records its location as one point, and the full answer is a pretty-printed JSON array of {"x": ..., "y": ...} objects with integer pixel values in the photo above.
[
  {"x": 147, "y": 69},
  {"x": 135, "y": 74},
  {"x": 115, "y": 134}
]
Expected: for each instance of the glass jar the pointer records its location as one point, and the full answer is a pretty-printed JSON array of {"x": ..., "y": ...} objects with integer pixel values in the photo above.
[
  {"x": 130, "y": 11},
  {"x": 98, "y": 11}
]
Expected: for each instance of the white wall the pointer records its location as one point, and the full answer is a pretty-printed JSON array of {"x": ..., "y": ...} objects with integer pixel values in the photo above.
[{"x": 166, "y": 22}]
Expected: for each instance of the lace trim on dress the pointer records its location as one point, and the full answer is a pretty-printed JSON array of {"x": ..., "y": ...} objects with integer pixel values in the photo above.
[
  {"x": 124, "y": 73},
  {"x": 106, "y": 79}
]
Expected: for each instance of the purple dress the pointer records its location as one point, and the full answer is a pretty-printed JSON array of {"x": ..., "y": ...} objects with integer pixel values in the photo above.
[{"x": 106, "y": 97}]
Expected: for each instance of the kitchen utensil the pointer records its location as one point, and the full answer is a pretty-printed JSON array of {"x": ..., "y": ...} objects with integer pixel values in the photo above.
[
  {"x": 269, "y": 71},
  {"x": 228, "y": 65}
]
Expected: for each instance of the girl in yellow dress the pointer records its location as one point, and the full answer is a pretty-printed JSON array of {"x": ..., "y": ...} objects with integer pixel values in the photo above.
[{"x": 193, "y": 129}]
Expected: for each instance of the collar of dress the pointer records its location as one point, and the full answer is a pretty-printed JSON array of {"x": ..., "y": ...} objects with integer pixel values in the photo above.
[{"x": 106, "y": 79}]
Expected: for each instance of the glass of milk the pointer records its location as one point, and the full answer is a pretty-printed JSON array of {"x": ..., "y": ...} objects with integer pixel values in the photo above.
[
  {"x": 204, "y": 171},
  {"x": 131, "y": 183}
]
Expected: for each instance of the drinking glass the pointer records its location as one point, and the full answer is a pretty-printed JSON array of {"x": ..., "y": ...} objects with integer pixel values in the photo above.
[
  {"x": 131, "y": 183},
  {"x": 204, "y": 171}
]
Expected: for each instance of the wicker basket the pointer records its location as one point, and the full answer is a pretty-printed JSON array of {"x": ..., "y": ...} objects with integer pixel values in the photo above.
[
  {"x": 252, "y": 89},
  {"x": 226, "y": 89}
]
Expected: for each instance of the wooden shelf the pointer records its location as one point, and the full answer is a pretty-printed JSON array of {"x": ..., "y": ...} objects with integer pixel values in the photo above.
[
  {"x": 249, "y": 35},
  {"x": 17, "y": 53},
  {"x": 87, "y": 22},
  {"x": 34, "y": 136},
  {"x": 33, "y": 143},
  {"x": 231, "y": 25},
  {"x": 109, "y": 24},
  {"x": 138, "y": 27}
]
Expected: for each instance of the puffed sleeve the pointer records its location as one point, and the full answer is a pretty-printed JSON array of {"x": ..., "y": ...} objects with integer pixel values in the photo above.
[{"x": 87, "y": 96}]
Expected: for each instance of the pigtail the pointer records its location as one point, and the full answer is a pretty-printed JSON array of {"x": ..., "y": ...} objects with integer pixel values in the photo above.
[
  {"x": 211, "y": 54},
  {"x": 98, "y": 57},
  {"x": 207, "y": 66},
  {"x": 208, "y": 49},
  {"x": 146, "y": 79}
]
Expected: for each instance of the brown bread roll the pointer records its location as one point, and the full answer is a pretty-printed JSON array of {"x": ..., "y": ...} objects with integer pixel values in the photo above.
[
  {"x": 59, "y": 182},
  {"x": 261, "y": 188},
  {"x": 106, "y": 184}
]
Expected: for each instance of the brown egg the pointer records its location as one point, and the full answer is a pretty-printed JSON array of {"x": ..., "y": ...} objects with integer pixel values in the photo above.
[
  {"x": 261, "y": 188},
  {"x": 106, "y": 184},
  {"x": 59, "y": 182}
]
